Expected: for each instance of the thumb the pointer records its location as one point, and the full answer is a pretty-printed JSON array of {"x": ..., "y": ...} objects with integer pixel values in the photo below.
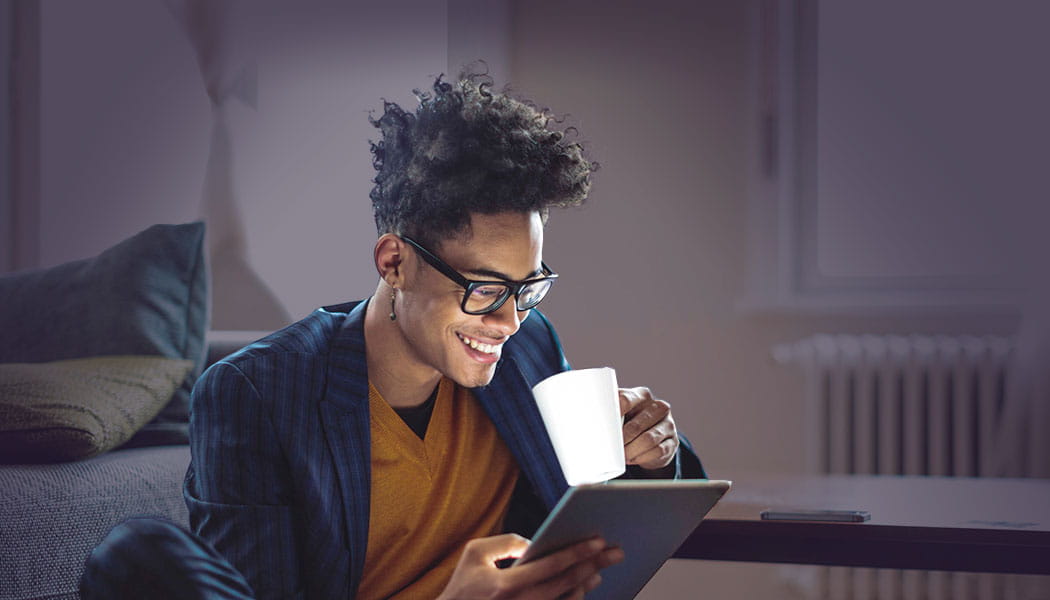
[{"x": 498, "y": 547}]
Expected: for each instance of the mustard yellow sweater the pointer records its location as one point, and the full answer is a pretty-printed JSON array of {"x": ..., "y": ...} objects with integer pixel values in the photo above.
[{"x": 431, "y": 496}]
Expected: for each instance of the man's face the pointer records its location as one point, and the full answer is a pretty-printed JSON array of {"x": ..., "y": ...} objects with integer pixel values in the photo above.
[{"x": 505, "y": 246}]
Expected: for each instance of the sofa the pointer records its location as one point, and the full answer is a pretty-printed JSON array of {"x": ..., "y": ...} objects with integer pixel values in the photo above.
[{"x": 97, "y": 360}]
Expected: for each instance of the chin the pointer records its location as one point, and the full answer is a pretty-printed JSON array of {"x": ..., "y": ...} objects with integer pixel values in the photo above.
[
  {"x": 479, "y": 379},
  {"x": 472, "y": 378}
]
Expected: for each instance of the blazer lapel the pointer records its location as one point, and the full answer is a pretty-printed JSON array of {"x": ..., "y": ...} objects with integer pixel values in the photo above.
[
  {"x": 345, "y": 418},
  {"x": 509, "y": 403}
]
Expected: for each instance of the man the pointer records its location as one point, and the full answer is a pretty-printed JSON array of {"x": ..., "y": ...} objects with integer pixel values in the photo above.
[{"x": 383, "y": 448}]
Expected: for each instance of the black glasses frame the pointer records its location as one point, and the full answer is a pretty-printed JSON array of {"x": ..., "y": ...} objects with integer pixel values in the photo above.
[{"x": 469, "y": 285}]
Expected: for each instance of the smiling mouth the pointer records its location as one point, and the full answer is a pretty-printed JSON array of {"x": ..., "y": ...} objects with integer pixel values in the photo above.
[{"x": 479, "y": 346}]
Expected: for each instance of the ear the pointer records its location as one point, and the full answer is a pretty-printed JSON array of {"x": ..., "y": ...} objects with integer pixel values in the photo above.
[{"x": 389, "y": 255}]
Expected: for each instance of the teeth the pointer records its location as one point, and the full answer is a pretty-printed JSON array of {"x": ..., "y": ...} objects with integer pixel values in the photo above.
[{"x": 480, "y": 347}]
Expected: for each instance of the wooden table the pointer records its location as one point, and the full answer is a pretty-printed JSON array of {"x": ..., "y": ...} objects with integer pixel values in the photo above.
[{"x": 930, "y": 523}]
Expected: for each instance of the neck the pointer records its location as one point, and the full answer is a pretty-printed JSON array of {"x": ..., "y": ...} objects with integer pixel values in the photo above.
[{"x": 393, "y": 368}]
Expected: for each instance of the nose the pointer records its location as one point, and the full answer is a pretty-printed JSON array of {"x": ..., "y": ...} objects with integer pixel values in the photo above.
[{"x": 507, "y": 318}]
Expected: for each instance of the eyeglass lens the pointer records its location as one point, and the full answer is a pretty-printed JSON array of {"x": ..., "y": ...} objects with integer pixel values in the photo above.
[{"x": 483, "y": 297}]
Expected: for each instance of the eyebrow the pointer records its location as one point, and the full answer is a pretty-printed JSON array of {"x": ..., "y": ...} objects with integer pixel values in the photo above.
[{"x": 503, "y": 276}]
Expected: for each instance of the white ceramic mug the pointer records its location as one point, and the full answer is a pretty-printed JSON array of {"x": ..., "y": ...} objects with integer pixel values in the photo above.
[{"x": 581, "y": 411}]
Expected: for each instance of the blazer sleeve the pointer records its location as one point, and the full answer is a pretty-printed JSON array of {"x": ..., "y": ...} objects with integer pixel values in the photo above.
[
  {"x": 686, "y": 465},
  {"x": 238, "y": 487}
]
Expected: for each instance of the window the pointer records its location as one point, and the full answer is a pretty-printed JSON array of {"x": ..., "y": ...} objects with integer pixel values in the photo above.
[{"x": 901, "y": 154}]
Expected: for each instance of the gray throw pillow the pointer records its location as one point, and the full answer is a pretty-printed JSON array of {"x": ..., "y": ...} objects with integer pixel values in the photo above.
[
  {"x": 73, "y": 409},
  {"x": 148, "y": 295}
]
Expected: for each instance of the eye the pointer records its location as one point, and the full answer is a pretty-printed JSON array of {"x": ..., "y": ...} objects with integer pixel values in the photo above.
[{"x": 488, "y": 291}]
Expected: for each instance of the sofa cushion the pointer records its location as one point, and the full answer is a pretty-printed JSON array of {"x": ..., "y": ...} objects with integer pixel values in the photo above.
[
  {"x": 72, "y": 409},
  {"x": 146, "y": 296}
]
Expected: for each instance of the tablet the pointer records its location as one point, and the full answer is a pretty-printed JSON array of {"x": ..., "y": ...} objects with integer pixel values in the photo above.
[{"x": 648, "y": 518}]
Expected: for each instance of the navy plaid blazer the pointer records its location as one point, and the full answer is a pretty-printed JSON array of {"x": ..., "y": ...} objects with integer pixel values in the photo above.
[{"x": 279, "y": 481}]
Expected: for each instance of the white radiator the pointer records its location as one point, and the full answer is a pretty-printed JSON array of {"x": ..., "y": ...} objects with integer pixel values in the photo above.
[{"x": 902, "y": 405}]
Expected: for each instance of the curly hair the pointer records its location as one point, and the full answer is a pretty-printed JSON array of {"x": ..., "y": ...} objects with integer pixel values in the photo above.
[{"x": 468, "y": 150}]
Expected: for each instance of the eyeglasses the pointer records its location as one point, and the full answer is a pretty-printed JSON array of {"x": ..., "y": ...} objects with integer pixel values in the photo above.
[{"x": 483, "y": 297}]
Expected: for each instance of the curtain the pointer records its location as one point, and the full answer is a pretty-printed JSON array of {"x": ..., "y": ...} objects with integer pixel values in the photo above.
[{"x": 215, "y": 30}]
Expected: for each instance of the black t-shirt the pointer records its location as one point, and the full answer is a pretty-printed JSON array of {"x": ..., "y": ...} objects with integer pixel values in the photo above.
[{"x": 418, "y": 417}]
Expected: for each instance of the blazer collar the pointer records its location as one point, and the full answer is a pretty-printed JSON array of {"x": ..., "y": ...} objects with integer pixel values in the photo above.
[
  {"x": 347, "y": 364},
  {"x": 345, "y": 418},
  {"x": 509, "y": 403}
]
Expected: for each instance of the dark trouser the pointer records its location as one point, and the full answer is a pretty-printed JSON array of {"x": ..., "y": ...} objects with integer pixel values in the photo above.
[{"x": 151, "y": 558}]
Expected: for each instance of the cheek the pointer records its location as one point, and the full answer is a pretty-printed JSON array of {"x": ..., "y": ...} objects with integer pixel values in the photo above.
[{"x": 430, "y": 321}]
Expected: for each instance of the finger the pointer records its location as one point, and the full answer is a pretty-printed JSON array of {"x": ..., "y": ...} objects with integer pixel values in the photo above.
[
  {"x": 645, "y": 418},
  {"x": 576, "y": 594},
  {"x": 647, "y": 441},
  {"x": 583, "y": 575},
  {"x": 555, "y": 563},
  {"x": 610, "y": 556},
  {"x": 658, "y": 457},
  {"x": 592, "y": 582},
  {"x": 566, "y": 582}
]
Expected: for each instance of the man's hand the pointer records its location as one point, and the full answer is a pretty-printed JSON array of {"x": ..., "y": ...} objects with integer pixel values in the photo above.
[
  {"x": 567, "y": 573},
  {"x": 650, "y": 439}
]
